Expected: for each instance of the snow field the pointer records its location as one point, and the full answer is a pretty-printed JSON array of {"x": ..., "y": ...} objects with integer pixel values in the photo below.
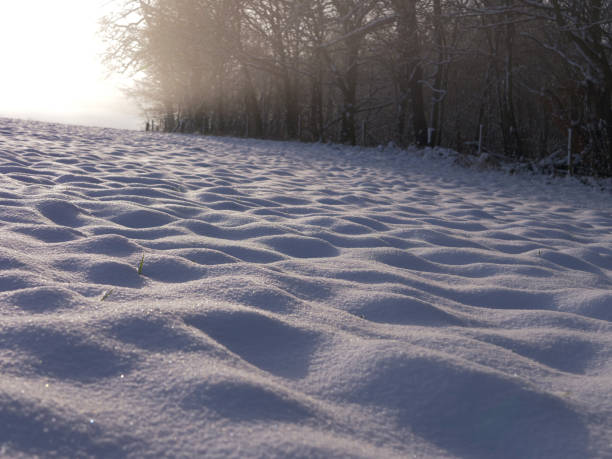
[{"x": 295, "y": 300}]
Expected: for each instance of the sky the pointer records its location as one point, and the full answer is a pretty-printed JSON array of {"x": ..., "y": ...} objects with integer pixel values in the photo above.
[{"x": 51, "y": 65}]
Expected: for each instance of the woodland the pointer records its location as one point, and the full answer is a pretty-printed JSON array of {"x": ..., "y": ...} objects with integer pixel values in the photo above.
[{"x": 528, "y": 80}]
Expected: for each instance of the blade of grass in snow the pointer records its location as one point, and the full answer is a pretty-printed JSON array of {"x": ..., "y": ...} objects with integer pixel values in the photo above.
[{"x": 140, "y": 265}]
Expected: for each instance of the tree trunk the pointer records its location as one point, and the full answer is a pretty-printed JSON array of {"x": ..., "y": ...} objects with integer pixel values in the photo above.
[
  {"x": 316, "y": 104},
  {"x": 512, "y": 135},
  {"x": 415, "y": 75},
  {"x": 291, "y": 107},
  {"x": 255, "y": 123},
  {"x": 220, "y": 106},
  {"x": 439, "y": 91},
  {"x": 349, "y": 93}
]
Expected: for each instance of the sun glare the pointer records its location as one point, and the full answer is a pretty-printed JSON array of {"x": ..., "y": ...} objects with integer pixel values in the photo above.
[{"x": 51, "y": 65}]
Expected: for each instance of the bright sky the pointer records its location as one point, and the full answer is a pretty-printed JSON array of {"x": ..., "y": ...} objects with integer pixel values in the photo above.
[{"x": 50, "y": 65}]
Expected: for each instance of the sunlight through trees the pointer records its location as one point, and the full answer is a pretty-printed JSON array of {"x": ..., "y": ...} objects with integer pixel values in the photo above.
[{"x": 525, "y": 74}]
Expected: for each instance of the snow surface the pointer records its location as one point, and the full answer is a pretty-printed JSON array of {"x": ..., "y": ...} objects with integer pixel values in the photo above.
[{"x": 295, "y": 300}]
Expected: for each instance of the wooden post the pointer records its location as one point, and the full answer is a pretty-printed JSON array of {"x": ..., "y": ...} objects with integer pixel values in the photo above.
[
  {"x": 480, "y": 140},
  {"x": 569, "y": 152},
  {"x": 430, "y": 132},
  {"x": 363, "y": 132}
]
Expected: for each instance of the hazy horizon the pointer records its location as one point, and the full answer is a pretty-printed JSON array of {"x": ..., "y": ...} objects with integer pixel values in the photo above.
[{"x": 53, "y": 70}]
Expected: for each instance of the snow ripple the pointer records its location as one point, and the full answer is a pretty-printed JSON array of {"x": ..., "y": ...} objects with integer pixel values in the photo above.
[{"x": 188, "y": 296}]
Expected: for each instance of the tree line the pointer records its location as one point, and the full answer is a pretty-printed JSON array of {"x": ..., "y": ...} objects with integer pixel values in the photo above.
[{"x": 527, "y": 78}]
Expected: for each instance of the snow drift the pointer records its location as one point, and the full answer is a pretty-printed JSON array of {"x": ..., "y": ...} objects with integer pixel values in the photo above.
[{"x": 295, "y": 300}]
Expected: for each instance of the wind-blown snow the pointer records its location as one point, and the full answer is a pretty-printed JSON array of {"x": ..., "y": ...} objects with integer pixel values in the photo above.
[{"x": 295, "y": 300}]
